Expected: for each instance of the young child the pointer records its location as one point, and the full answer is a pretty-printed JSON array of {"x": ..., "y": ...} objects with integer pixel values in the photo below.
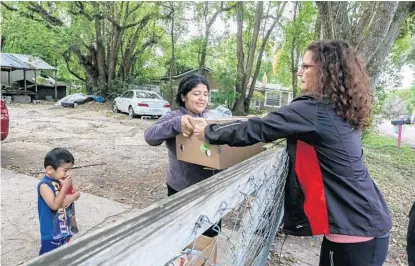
[{"x": 53, "y": 200}]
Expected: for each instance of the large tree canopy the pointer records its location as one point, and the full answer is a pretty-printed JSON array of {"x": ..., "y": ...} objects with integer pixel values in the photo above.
[
  {"x": 109, "y": 45},
  {"x": 372, "y": 27},
  {"x": 105, "y": 38}
]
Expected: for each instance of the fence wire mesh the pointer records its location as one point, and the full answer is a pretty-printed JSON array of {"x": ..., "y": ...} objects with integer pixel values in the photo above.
[{"x": 248, "y": 229}]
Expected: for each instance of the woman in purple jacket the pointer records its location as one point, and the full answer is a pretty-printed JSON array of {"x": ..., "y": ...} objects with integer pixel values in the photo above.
[{"x": 192, "y": 97}]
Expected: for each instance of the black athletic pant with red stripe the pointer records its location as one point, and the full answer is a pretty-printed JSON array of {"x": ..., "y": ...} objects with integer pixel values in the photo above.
[
  {"x": 410, "y": 246},
  {"x": 368, "y": 253}
]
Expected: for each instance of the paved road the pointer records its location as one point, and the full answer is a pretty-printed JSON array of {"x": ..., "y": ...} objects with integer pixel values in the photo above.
[
  {"x": 408, "y": 135},
  {"x": 19, "y": 221}
]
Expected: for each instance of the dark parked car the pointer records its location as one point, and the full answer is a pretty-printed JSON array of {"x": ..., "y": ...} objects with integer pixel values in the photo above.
[
  {"x": 406, "y": 119},
  {"x": 4, "y": 120}
]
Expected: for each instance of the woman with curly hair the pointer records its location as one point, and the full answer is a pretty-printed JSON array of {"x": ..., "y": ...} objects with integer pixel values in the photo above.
[{"x": 329, "y": 190}]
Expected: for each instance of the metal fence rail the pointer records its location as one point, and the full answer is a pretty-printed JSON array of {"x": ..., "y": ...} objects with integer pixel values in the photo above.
[{"x": 247, "y": 197}]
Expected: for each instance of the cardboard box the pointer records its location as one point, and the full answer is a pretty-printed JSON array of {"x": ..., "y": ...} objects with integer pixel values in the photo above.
[
  {"x": 218, "y": 157},
  {"x": 204, "y": 247}
]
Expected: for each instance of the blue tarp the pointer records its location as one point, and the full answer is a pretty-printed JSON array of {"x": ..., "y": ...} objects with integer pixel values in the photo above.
[{"x": 98, "y": 99}]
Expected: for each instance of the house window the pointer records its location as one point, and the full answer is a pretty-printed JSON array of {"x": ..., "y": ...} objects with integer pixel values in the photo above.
[
  {"x": 255, "y": 104},
  {"x": 272, "y": 99}
]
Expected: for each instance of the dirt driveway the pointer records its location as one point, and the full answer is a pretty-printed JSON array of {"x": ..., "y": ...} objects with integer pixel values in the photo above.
[{"x": 133, "y": 172}]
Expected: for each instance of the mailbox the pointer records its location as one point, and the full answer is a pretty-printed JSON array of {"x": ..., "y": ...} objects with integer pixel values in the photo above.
[{"x": 397, "y": 122}]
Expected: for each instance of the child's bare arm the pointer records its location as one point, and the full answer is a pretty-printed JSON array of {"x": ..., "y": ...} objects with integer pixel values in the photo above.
[
  {"x": 76, "y": 194},
  {"x": 71, "y": 198},
  {"x": 54, "y": 202}
]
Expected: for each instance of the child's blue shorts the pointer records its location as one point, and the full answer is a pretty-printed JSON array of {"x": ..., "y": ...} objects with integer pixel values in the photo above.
[{"x": 49, "y": 245}]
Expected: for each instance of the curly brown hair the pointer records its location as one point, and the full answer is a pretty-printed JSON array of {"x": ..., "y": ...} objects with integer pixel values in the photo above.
[{"x": 342, "y": 79}]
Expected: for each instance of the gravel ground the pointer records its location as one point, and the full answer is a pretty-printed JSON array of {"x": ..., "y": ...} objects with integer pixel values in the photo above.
[{"x": 132, "y": 172}]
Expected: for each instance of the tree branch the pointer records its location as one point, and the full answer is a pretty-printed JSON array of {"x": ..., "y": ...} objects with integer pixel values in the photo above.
[
  {"x": 325, "y": 11},
  {"x": 219, "y": 11},
  {"x": 261, "y": 52},
  {"x": 67, "y": 57},
  {"x": 138, "y": 5},
  {"x": 252, "y": 48},
  {"x": 114, "y": 23},
  {"x": 81, "y": 11},
  {"x": 374, "y": 64},
  {"x": 26, "y": 15},
  {"x": 144, "y": 46},
  {"x": 11, "y": 8},
  {"x": 341, "y": 26},
  {"x": 224, "y": 9},
  {"x": 378, "y": 30},
  {"x": 367, "y": 15},
  {"x": 35, "y": 7}
]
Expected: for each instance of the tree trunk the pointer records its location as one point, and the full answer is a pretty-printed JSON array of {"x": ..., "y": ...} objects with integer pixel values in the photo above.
[
  {"x": 247, "y": 102},
  {"x": 340, "y": 20},
  {"x": 295, "y": 75},
  {"x": 368, "y": 11},
  {"x": 90, "y": 83},
  {"x": 104, "y": 46},
  {"x": 128, "y": 58},
  {"x": 317, "y": 28},
  {"x": 238, "y": 108},
  {"x": 325, "y": 11},
  {"x": 113, "y": 53},
  {"x": 378, "y": 58},
  {"x": 246, "y": 74},
  {"x": 252, "y": 48},
  {"x": 172, "y": 61},
  {"x": 379, "y": 28},
  {"x": 374, "y": 33},
  {"x": 293, "y": 54},
  {"x": 202, "y": 62},
  {"x": 208, "y": 25},
  {"x": 100, "y": 58}
]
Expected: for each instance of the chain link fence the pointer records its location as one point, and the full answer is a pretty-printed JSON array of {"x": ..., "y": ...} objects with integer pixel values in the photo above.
[
  {"x": 247, "y": 198},
  {"x": 248, "y": 229}
]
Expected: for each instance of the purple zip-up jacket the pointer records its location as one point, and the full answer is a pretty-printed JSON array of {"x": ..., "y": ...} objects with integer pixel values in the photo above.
[{"x": 180, "y": 175}]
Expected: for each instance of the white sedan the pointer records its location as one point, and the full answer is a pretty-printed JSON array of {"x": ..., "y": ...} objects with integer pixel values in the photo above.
[{"x": 140, "y": 103}]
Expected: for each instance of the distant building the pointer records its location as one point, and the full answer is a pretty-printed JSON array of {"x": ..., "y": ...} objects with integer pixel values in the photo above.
[{"x": 21, "y": 75}]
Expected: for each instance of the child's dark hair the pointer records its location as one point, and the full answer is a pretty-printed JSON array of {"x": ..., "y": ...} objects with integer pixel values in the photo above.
[
  {"x": 187, "y": 84},
  {"x": 57, "y": 157}
]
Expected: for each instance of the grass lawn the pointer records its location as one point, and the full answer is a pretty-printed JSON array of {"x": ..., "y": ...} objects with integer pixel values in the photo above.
[{"x": 393, "y": 170}]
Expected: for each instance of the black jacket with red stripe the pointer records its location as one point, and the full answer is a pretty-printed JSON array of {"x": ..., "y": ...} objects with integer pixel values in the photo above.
[{"x": 328, "y": 189}]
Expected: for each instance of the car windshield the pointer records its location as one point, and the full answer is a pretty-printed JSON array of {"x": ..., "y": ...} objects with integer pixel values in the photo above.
[{"x": 148, "y": 95}]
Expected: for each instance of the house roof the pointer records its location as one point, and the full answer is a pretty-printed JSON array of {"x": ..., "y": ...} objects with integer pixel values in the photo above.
[
  {"x": 10, "y": 62},
  {"x": 23, "y": 62},
  {"x": 186, "y": 73},
  {"x": 269, "y": 86}
]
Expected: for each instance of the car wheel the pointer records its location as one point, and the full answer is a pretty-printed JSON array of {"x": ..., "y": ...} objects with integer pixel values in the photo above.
[
  {"x": 131, "y": 113},
  {"x": 115, "y": 108}
]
